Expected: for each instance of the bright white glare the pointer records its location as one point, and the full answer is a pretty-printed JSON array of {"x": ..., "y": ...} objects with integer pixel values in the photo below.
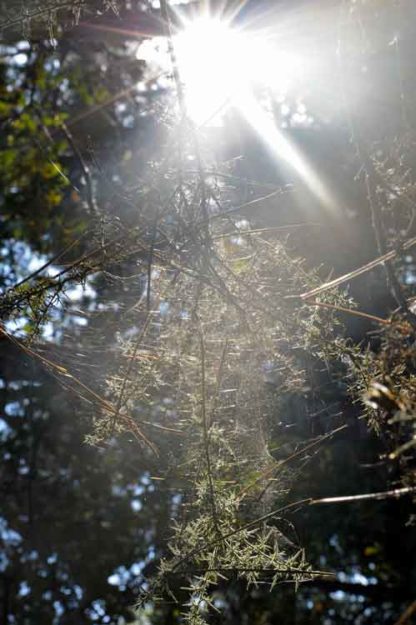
[
  {"x": 217, "y": 64},
  {"x": 211, "y": 59},
  {"x": 220, "y": 66}
]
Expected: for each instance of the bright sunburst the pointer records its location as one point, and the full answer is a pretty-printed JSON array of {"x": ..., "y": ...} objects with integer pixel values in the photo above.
[
  {"x": 221, "y": 66},
  {"x": 215, "y": 64}
]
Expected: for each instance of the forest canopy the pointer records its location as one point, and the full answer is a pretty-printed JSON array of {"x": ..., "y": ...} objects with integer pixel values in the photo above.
[{"x": 208, "y": 313}]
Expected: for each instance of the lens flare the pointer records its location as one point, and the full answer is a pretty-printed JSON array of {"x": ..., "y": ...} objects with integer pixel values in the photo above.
[
  {"x": 218, "y": 64},
  {"x": 221, "y": 66},
  {"x": 211, "y": 59}
]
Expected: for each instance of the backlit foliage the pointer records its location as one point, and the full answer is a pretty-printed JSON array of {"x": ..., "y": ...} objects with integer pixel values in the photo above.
[
  {"x": 221, "y": 339},
  {"x": 212, "y": 357}
]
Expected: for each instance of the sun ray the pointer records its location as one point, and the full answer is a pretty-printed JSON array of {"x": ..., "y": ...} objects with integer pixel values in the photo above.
[
  {"x": 222, "y": 65},
  {"x": 283, "y": 149}
]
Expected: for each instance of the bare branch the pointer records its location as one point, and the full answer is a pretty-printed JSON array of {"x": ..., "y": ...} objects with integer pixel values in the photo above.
[
  {"x": 347, "y": 277},
  {"x": 395, "y": 493}
]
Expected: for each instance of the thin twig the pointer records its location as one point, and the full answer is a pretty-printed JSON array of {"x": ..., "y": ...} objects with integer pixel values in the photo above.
[
  {"x": 219, "y": 380},
  {"x": 286, "y": 228},
  {"x": 150, "y": 263},
  {"x": 289, "y": 570},
  {"x": 250, "y": 204},
  {"x": 404, "y": 618},
  {"x": 378, "y": 227},
  {"x": 55, "y": 369},
  {"x": 46, "y": 10},
  {"x": 205, "y": 429},
  {"x": 91, "y": 201},
  {"x": 129, "y": 369},
  {"x": 351, "y": 311},
  {"x": 388, "y": 494},
  {"x": 50, "y": 262},
  {"x": 272, "y": 470},
  {"x": 164, "y": 11},
  {"x": 347, "y": 277}
]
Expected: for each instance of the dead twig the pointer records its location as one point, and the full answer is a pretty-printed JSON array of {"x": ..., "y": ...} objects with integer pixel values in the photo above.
[
  {"x": 58, "y": 371},
  {"x": 404, "y": 618},
  {"x": 347, "y": 277},
  {"x": 388, "y": 494},
  {"x": 351, "y": 311}
]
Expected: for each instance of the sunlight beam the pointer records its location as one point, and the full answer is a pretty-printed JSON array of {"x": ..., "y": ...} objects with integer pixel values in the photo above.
[{"x": 282, "y": 148}]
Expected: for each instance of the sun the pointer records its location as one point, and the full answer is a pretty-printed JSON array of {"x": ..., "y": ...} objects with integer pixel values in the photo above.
[
  {"x": 217, "y": 65},
  {"x": 221, "y": 66}
]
